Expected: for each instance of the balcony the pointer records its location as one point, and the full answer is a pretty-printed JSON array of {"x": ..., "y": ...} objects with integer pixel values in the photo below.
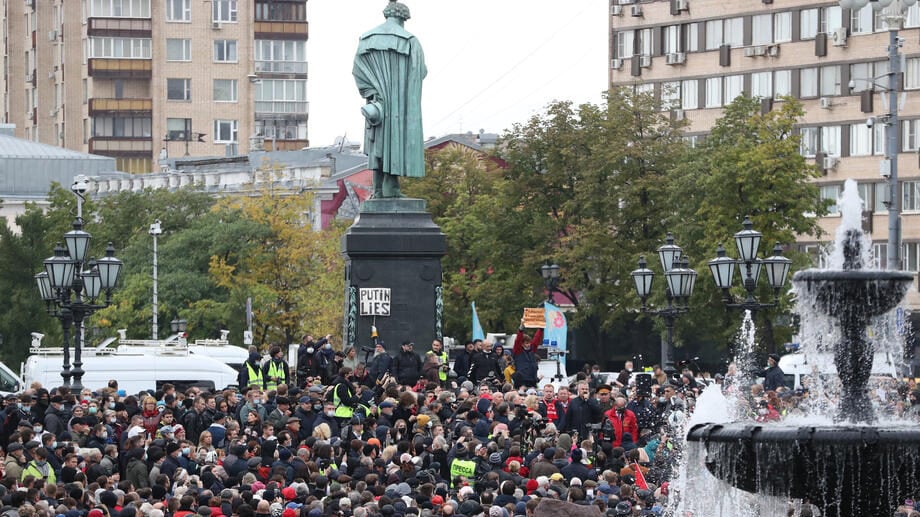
[
  {"x": 285, "y": 145},
  {"x": 123, "y": 107},
  {"x": 121, "y": 147},
  {"x": 114, "y": 68},
  {"x": 282, "y": 110},
  {"x": 281, "y": 67},
  {"x": 126, "y": 27},
  {"x": 282, "y": 30}
]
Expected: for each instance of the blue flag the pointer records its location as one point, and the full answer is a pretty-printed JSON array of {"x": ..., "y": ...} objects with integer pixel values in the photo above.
[
  {"x": 477, "y": 327},
  {"x": 556, "y": 327}
]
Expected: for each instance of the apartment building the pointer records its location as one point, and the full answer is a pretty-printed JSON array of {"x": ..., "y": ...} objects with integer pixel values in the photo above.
[
  {"x": 134, "y": 79},
  {"x": 698, "y": 55}
]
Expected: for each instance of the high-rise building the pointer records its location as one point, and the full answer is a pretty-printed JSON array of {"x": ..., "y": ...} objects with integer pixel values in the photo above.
[
  {"x": 132, "y": 79},
  {"x": 698, "y": 55}
]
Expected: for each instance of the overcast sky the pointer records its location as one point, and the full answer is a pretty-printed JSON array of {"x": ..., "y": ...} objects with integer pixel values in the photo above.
[{"x": 490, "y": 63}]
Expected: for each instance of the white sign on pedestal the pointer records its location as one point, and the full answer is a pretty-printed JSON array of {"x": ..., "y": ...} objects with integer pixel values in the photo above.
[{"x": 375, "y": 301}]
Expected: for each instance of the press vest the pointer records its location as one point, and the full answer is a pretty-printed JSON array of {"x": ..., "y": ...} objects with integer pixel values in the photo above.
[
  {"x": 464, "y": 468},
  {"x": 442, "y": 360},
  {"x": 255, "y": 376},
  {"x": 274, "y": 370},
  {"x": 341, "y": 411}
]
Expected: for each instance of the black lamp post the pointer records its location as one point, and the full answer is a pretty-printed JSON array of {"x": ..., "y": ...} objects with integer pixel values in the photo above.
[
  {"x": 776, "y": 268},
  {"x": 70, "y": 285},
  {"x": 550, "y": 274},
  {"x": 680, "y": 283}
]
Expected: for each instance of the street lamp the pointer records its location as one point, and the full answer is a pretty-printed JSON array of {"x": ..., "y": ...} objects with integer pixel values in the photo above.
[
  {"x": 550, "y": 274},
  {"x": 70, "y": 285},
  {"x": 155, "y": 231},
  {"x": 680, "y": 283},
  {"x": 723, "y": 267},
  {"x": 893, "y": 15}
]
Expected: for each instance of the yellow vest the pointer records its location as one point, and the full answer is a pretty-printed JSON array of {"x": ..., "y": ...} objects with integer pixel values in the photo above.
[
  {"x": 340, "y": 410},
  {"x": 462, "y": 468},
  {"x": 255, "y": 376},
  {"x": 273, "y": 371},
  {"x": 442, "y": 360}
]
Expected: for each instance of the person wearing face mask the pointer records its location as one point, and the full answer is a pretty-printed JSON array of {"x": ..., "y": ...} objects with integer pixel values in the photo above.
[
  {"x": 251, "y": 372},
  {"x": 39, "y": 468},
  {"x": 307, "y": 361},
  {"x": 328, "y": 417},
  {"x": 42, "y": 401}
]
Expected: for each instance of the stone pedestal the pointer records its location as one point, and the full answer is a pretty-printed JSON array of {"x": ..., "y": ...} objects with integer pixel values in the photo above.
[{"x": 394, "y": 244}]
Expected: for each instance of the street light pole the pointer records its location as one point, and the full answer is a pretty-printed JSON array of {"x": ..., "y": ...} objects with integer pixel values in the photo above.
[{"x": 155, "y": 231}]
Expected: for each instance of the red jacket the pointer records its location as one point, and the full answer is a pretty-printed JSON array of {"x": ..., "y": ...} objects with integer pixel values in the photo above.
[{"x": 627, "y": 425}]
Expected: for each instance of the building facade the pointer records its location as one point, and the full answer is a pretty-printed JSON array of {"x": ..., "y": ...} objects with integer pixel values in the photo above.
[
  {"x": 132, "y": 79},
  {"x": 698, "y": 55}
]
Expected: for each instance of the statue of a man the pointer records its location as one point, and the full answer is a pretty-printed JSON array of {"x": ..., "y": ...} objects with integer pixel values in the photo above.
[{"x": 389, "y": 68}]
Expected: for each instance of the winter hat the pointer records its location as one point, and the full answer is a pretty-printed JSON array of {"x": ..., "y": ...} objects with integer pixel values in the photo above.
[
  {"x": 495, "y": 458},
  {"x": 532, "y": 485}
]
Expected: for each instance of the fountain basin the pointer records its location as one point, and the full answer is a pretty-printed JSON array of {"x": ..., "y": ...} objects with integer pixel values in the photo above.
[
  {"x": 844, "y": 470},
  {"x": 870, "y": 293}
]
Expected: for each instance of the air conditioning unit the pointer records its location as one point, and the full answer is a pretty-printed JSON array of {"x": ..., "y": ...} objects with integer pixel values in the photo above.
[
  {"x": 216, "y": 25},
  {"x": 773, "y": 50},
  {"x": 825, "y": 103},
  {"x": 682, "y": 5},
  {"x": 829, "y": 163},
  {"x": 52, "y": 35},
  {"x": 616, "y": 64},
  {"x": 838, "y": 37},
  {"x": 627, "y": 2},
  {"x": 645, "y": 61},
  {"x": 616, "y": 10},
  {"x": 675, "y": 58},
  {"x": 636, "y": 10},
  {"x": 30, "y": 78},
  {"x": 756, "y": 50}
]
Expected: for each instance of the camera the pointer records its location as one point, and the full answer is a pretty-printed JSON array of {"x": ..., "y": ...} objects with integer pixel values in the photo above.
[
  {"x": 870, "y": 122},
  {"x": 80, "y": 185}
]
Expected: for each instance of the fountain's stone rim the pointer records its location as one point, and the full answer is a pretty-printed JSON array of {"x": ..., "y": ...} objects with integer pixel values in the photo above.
[
  {"x": 851, "y": 274},
  {"x": 777, "y": 433}
]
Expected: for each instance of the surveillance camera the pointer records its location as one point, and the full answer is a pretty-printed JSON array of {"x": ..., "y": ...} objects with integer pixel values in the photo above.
[
  {"x": 224, "y": 334},
  {"x": 37, "y": 339},
  {"x": 852, "y": 84},
  {"x": 870, "y": 122},
  {"x": 155, "y": 228},
  {"x": 80, "y": 185}
]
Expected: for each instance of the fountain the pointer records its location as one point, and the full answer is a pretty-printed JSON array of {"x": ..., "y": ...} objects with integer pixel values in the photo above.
[{"x": 851, "y": 467}]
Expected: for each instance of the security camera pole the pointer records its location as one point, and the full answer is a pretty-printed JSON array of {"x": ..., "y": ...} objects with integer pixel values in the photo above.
[{"x": 155, "y": 230}]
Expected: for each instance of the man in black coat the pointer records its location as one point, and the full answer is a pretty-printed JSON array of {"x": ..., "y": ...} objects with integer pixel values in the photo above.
[
  {"x": 485, "y": 363},
  {"x": 380, "y": 364},
  {"x": 577, "y": 468},
  {"x": 581, "y": 412},
  {"x": 407, "y": 366},
  {"x": 773, "y": 376},
  {"x": 463, "y": 361}
]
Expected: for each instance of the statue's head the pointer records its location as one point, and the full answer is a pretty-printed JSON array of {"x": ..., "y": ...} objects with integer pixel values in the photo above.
[{"x": 396, "y": 10}]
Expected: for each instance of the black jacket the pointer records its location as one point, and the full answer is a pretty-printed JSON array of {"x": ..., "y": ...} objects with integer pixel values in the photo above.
[
  {"x": 484, "y": 365},
  {"x": 407, "y": 367},
  {"x": 773, "y": 378}
]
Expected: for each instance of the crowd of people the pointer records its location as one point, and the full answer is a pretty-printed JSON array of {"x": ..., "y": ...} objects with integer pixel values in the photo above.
[{"x": 338, "y": 435}]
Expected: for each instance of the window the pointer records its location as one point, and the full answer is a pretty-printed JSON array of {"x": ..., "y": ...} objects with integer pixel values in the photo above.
[
  {"x": 223, "y": 10},
  {"x": 734, "y": 32},
  {"x": 625, "y": 45},
  {"x": 762, "y": 29},
  {"x": 713, "y": 34},
  {"x": 832, "y": 193},
  {"x": 225, "y": 131},
  {"x": 122, "y": 48},
  {"x": 910, "y": 196},
  {"x": 178, "y": 50},
  {"x": 808, "y": 20},
  {"x": 912, "y": 17},
  {"x": 808, "y": 146},
  {"x": 282, "y": 129},
  {"x": 290, "y": 57},
  {"x": 782, "y": 27},
  {"x": 865, "y": 194},
  {"x": 880, "y": 255},
  {"x": 830, "y": 140},
  {"x": 645, "y": 89},
  {"x": 281, "y": 96},
  {"x": 122, "y": 127},
  {"x": 912, "y": 74},
  {"x": 689, "y": 94},
  {"x": 120, "y": 8},
  {"x": 645, "y": 41},
  {"x": 178, "y": 128},
  {"x": 909, "y": 130},
  {"x": 713, "y": 92},
  {"x": 692, "y": 37},
  {"x": 861, "y": 20},
  {"x": 762, "y": 85},
  {"x": 734, "y": 86},
  {"x": 830, "y": 80},
  {"x": 672, "y": 41},
  {"x": 225, "y": 90},
  {"x": 910, "y": 256},
  {"x": 178, "y": 10},
  {"x": 179, "y": 89},
  {"x": 270, "y": 10},
  {"x": 861, "y": 75},
  {"x": 782, "y": 84},
  {"x": 808, "y": 82},
  {"x": 832, "y": 18},
  {"x": 860, "y": 140},
  {"x": 225, "y": 51},
  {"x": 881, "y": 197},
  {"x": 878, "y": 139},
  {"x": 670, "y": 95}
]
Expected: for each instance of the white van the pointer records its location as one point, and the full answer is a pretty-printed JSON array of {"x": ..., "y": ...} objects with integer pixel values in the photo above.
[
  {"x": 798, "y": 364},
  {"x": 135, "y": 370},
  {"x": 219, "y": 349}
]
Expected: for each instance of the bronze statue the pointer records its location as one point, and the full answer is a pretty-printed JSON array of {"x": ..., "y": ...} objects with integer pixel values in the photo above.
[{"x": 389, "y": 68}]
